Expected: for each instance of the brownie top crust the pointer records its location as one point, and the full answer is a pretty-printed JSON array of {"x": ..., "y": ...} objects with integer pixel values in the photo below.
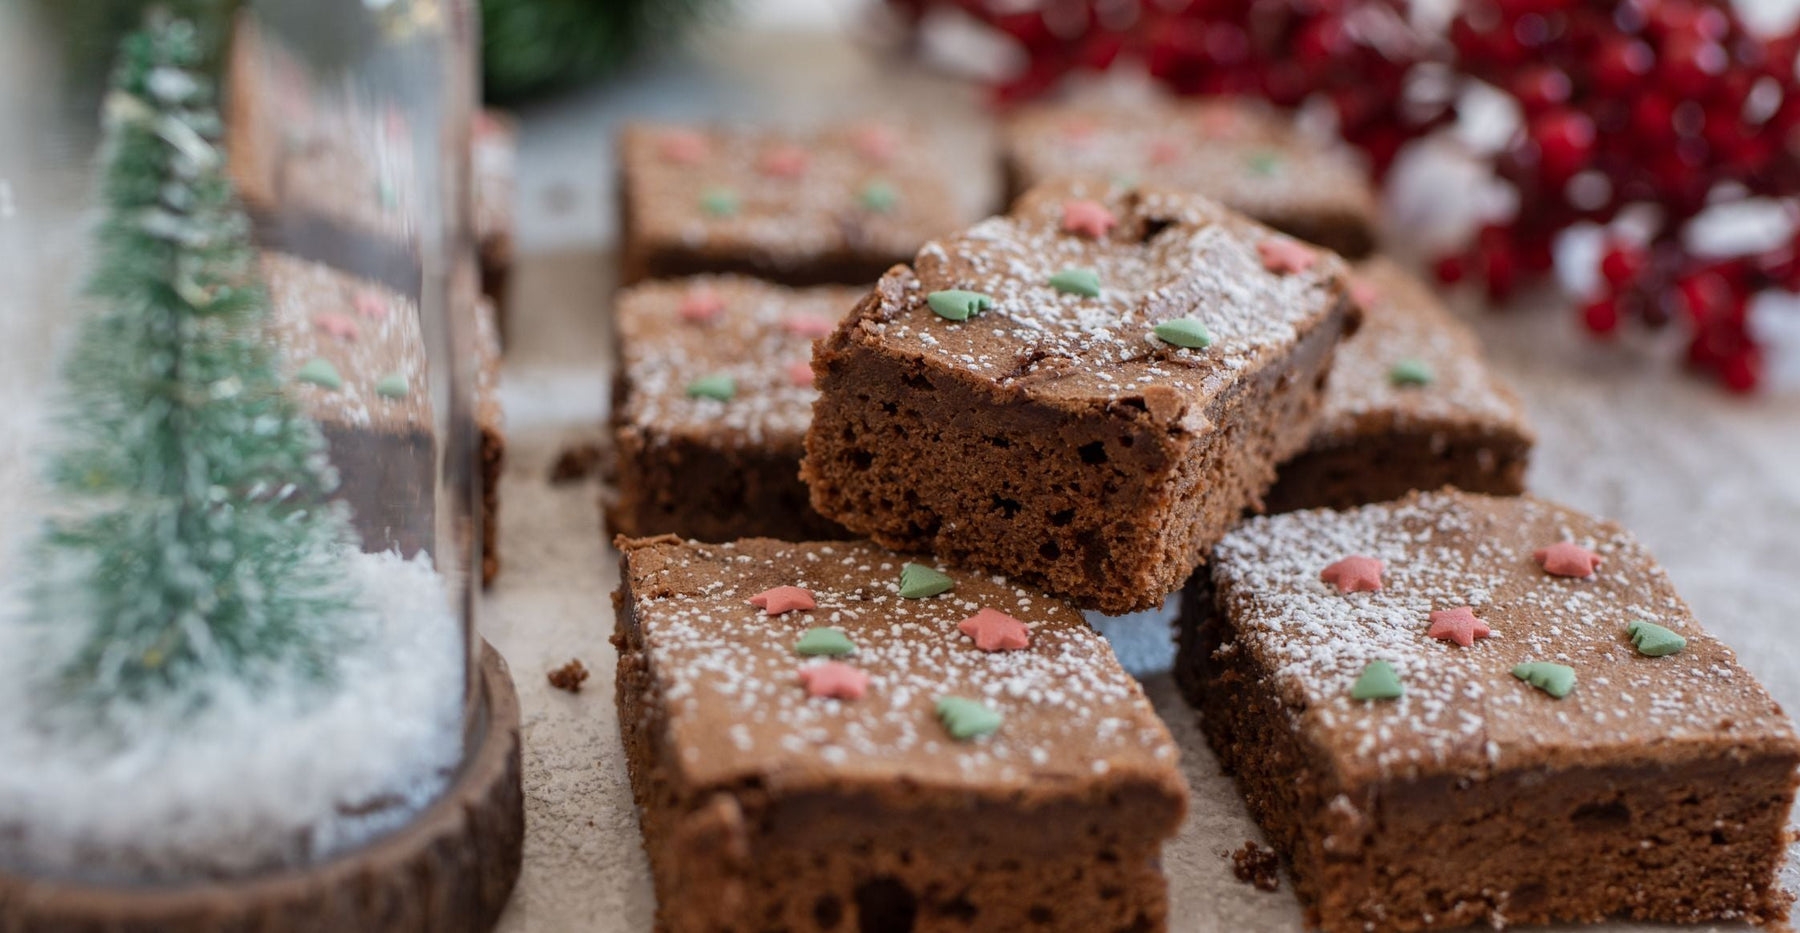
[
  {"x": 1464, "y": 711},
  {"x": 1242, "y": 154},
  {"x": 1412, "y": 366},
  {"x": 1072, "y": 720},
  {"x": 674, "y": 333},
  {"x": 352, "y": 350},
  {"x": 786, "y": 197},
  {"x": 1168, "y": 256}
]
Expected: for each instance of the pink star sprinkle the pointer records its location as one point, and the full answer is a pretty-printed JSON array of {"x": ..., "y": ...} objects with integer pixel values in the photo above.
[
  {"x": 683, "y": 146},
  {"x": 834, "y": 679},
  {"x": 1164, "y": 151},
  {"x": 800, "y": 374},
  {"x": 1567, "y": 559},
  {"x": 369, "y": 305},
  {"x": 1364, "y": 292},
  {"x": 1079, "y": 131},
  {"x": 1281, "y": 255},
  {"x": 875, "y": 143},
  {"x": 994, "y": 630},
  {"x": 341, "y": 326},
  {"x": 700, "y": 306},
  {"x": 1354, "y": 574},
  {"x": 1087, "y": 218},
  {"x": 1458, "y": 625},
  {"x": 810, "y": 326},
  {"x": 783, "y": 162},
  {"x": 783, "y": 599}
]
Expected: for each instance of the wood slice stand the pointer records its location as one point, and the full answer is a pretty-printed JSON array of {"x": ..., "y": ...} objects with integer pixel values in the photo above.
[{"x": 450, "y": 871}]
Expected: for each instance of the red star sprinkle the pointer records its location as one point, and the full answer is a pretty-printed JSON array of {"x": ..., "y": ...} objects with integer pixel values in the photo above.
[
  {"x": 1364, "y": 292},
  {"x": 800, "y": 374},
  {"x": 1458, "y": 625},
  {"x": 1088, "y": 218},
  {"x": 700, "y": 306},
  {"x": 683, "y": 146},
  {"x": 834, "y": 679},
  {"x": 810, "y": 326},
  {"x": 783, "y": 599},
  {"x": 369, "y": 305},
  {"x": 1164, "y": 151},
  {"x": 1567, "y": 559},
  {"x": 341, "y": 326},
  {"x": 994, "y": 630},
  {"x": 784, "y": 162},
  {"x": 875, "y": 143},
  {"x": 1354, "y": 574},
  {"x": 1281, "y": 255}
]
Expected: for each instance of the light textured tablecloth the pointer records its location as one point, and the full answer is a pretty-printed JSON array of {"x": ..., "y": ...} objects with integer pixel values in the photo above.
[{"x": 1710, "y": 483}]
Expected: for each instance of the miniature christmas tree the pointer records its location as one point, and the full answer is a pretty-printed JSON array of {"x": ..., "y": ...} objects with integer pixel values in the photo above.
[{"x": 193, "y": 540}]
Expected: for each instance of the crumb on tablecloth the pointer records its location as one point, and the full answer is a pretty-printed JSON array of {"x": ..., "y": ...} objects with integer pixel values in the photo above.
[
  {"x": 570, "y": 676},
  {"x": 1255, "y": 865}
]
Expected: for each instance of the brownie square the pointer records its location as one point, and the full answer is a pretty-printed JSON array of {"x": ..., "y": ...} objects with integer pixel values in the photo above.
[
  {"x": 724, "y": 464},
  {"x": 1656, "y": 788},
  {"x": 494, "y": 169},
  {"x": 837, "y": 205},
  {"x": 1054, "y": 436},
  {"x": 325, "y": 174},
  {"x": 767, "y": 807},
  {"x": 1411, "y": 404},
  {"x": 354, "y": 355},
  {"x": 1243, "y": 154}
]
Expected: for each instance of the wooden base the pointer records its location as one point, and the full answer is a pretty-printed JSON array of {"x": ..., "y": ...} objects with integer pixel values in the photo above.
[{"x": 450, "y": 871}]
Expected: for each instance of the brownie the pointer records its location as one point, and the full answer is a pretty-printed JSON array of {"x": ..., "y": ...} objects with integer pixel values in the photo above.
[
  {"x": 1411, "y": 405},
  {"x": 1565, "y": 767},
  {"x": 1071, "y": 439},
  {"x": 354, "y": 356},
  {"x": 490, "y": 429},
  {"x": 919, "y": 783},
  {"x": 325, "y": 173},
  {"x": 710, "y": 467},
  {"x": 494, "y": 170},
  {"x": 836, "y": 205},
  {"x": 1243, "y": 154}
]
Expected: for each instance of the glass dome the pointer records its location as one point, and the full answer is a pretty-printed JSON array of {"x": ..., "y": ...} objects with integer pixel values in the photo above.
[{"x": 239, "y": 432}]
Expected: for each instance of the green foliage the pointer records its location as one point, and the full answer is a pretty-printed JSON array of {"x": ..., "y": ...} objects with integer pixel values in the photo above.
[
  {"x": 533, "y": 46},
  {"x": 192, "y": 536}
]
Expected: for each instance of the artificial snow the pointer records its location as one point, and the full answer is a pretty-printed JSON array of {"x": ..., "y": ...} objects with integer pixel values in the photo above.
[
  {"x": 264, "y": 775},
  {"x": 269, "y": 773}
]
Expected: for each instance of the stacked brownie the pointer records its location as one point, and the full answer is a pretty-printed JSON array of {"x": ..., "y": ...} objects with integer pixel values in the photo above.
[
  {"x": 1085, "y": 393},
  {"x": 1456, "y": 708},
  {"x": 1238, "y": 153}
]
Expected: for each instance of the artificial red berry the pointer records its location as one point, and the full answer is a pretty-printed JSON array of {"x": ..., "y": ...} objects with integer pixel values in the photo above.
[{"x": 1601, "y": 315}]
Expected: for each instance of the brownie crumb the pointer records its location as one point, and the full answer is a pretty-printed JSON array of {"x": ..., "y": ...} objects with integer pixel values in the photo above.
[
  {"x": 570, "y": 676},
  {"x": 575, "y": 463},
  {"x": 1255, "y": 865}
]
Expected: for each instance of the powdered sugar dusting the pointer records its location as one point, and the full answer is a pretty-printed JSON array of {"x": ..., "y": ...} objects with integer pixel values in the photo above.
[
  {"x": 1463, "y": 712},
  {"x": 1171, "y": 256},
  {"x": 750, "y": 340},
  {"x": 729, "y": 675}
]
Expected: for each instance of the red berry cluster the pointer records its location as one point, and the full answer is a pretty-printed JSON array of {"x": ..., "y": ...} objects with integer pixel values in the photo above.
[{"x": 1667, "y": 103}]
